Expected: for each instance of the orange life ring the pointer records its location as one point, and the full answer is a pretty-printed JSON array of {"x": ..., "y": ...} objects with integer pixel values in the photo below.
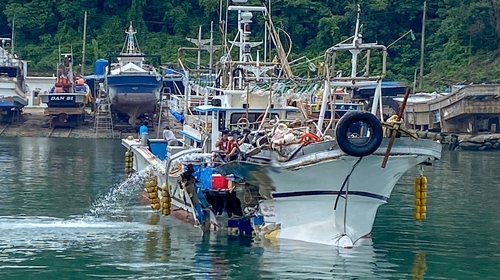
[{"x": 309, "y": 138}]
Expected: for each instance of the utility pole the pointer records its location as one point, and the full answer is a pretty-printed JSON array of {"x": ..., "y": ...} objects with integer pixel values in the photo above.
[
  {"x": 199, "y": 48},
  {"x": 422, "y": 47},
  {"x": 84, "y": 42},
  {"x": 13, "y": 35}
]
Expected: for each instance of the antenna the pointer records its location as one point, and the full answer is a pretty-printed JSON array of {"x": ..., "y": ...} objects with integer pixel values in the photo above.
[{"x": 356, "y": 32}]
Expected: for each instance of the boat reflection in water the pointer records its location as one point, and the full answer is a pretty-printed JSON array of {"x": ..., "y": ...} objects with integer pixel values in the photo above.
[
  {"x": 173, "y": 246},
  {"x": 289, "y": 259}
]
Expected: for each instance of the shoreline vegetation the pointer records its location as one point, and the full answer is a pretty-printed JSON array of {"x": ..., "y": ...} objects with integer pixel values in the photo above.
[{"x": 461, "y": 42}]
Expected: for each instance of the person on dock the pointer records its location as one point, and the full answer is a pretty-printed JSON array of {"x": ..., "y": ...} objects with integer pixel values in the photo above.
[{"x": 143, "y": 128}]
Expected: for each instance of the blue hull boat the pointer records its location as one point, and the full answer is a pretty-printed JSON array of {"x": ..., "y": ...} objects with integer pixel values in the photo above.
[
  {"x": 134, "y": 88},
  {"x": 12, "y": 85},
  {"x": 134, "y": 95}
]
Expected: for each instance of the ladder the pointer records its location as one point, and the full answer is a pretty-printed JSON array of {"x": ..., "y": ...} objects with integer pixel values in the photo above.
[{"x": 103, "y": 121}]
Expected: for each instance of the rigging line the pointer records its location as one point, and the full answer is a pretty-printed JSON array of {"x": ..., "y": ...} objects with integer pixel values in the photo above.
[{"x": 344, "y": 184}]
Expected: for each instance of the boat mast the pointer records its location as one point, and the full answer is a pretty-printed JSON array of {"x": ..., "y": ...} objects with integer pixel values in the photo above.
[
  {"x": 84, "y": 42},
  {"x": 355, "y": 41},
  {"x": 130, "y": 44}
]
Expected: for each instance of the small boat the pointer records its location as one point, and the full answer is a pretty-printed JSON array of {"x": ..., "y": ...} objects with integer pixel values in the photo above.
[
  {"x": 67, "y": 98},
  {"x": 13, "y": 88},
  {"x": 134, "y": 88}
]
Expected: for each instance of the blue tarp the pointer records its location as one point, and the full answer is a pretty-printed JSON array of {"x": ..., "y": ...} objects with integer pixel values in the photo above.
[
  {"x": 178, "y": 116},
  {"x": 206, "y": 178}
]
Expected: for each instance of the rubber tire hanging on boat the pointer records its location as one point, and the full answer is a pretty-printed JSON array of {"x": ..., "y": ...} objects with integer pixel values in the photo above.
[{"x": 355, "y": 149}]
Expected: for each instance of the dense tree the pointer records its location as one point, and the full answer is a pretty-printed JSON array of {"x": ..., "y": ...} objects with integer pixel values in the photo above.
[{"x": 462, "y": 41}]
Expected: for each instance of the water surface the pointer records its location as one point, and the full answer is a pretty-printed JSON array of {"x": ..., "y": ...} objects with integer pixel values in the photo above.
[{"x": 65, "y": 214}]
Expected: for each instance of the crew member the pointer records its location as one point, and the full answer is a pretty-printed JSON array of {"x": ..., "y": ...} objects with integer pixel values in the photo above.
[
  {"x": 143, "y": 128},
  {"x": 169, "y": 135}
]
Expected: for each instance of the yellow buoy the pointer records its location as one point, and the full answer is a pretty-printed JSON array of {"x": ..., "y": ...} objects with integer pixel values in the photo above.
[
  {"x": 423, "y": 180},
  {"x": 417, "y": 181},
  {"x": 420, "y": 197},
  {"x": 151, "y": 187},
  {"x": 129, "y": 163}
]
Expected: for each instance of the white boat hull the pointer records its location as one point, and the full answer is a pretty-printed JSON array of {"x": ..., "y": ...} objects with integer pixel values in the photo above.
[
  {"x": 303, "y": 200},
  {"x": 301, "y": 196}
]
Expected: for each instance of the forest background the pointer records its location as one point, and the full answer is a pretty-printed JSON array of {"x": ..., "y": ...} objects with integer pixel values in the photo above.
[{"x": 461, "y": 36}]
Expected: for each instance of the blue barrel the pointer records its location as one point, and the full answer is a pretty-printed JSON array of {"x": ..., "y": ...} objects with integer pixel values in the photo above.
[{"x": 100, "y": 66}]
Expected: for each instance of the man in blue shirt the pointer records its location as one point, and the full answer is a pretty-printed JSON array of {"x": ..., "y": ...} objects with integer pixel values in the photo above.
[{"x": 143, "y": 128}]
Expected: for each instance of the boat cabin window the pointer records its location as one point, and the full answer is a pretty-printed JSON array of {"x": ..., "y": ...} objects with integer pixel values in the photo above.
[
  {"x": 8, "y": 72},
  {"x": 252, "y": 117}
]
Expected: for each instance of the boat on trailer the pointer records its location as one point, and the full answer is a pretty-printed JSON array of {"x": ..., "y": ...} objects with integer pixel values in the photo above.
[
  {"x": 67, "y": 99},
  {"x": 133, "y": 87},
  {"x": 320, "y": 181},
  {"x": 13, "y": 88}
]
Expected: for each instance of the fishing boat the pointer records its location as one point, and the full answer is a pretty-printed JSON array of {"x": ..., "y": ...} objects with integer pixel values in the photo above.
[
  {"x": 318, "y": 181},
  {"x": 67, "y": 98},
  {"x": 215, "y": 103},
  {"x": 133, "y": 87},
  {"x": 13, "y": 88},
  {"x": 325, "y": 190}
]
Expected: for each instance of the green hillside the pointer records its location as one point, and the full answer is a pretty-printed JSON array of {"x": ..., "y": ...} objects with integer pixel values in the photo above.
[{"x": 462, "y": 37}]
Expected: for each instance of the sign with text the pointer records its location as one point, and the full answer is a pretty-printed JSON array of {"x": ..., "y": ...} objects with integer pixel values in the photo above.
[{"x": 62, "y": 98}]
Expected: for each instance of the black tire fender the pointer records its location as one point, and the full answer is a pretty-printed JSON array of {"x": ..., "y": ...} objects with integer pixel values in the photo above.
[{"x": 351, "y": 147}]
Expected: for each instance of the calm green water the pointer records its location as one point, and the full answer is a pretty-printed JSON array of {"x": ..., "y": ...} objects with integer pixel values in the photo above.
[{"x": 52, "y": 188}]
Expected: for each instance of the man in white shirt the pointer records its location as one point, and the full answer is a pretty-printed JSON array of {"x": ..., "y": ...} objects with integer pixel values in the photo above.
[{"x": 169, "y": 135}]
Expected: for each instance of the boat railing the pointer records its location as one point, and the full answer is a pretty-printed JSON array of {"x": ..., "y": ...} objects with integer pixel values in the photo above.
[{"x": 198, "y": 123}]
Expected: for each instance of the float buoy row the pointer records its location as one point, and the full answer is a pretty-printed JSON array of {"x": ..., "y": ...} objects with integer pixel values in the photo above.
[
  {"x": 151, "y": 185},
  {"x": 129, "y": 163},
  {"x": 165, "y": 200},
  {"x": 420, "y": 198}
]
